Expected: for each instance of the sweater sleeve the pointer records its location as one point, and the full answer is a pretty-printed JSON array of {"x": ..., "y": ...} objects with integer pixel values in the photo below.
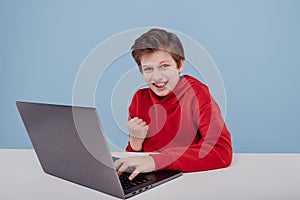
[
  {"x": 213, "y": 150},
  {"x": 132, "y": 114}
]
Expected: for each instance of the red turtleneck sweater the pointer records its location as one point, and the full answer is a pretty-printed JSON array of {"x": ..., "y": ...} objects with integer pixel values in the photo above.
[{"x": 185, "y": 127}]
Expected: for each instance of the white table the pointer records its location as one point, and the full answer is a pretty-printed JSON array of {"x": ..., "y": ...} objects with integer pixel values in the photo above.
[{"x": 251, "y": 176}]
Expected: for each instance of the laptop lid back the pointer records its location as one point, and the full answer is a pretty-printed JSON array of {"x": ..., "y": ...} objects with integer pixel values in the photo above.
[{"x": 70, "y": 144}]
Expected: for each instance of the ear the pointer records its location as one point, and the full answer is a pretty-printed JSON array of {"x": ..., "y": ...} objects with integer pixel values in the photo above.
[{"x": 181, "y": 67}]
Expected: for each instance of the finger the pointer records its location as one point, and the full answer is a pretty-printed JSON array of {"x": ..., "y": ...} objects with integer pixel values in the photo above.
[
  {"x": 134, "y": 120},
  {"x": 138, "y": 122},
  {"x": 134, "y": 174},
  {"x": 146, "y": 127},
  {"x": 118, "y": 163},
  {"x": 142, "y": 123},
  {"x": 122, "y": 169}
]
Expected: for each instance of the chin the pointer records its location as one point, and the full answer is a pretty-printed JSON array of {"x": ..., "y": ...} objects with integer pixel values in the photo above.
[{"x": 160, "y": 93}]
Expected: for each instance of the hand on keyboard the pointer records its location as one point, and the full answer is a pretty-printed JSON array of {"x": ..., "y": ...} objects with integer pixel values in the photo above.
[{"x": 141, "y": 164}]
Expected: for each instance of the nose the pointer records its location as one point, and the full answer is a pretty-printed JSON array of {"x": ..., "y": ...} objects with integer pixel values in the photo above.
[{"x": 156, "y": 75}]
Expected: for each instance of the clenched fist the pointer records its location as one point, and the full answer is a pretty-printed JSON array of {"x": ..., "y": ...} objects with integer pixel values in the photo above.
[{"x": 137, "y": 131}]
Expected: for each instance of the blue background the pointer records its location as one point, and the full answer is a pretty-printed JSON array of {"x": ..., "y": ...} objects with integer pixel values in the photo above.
[{"x": 255, "y": 44}]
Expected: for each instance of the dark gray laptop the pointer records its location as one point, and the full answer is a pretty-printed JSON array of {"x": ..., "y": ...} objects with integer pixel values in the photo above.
[{"x": 70, "y": 144}]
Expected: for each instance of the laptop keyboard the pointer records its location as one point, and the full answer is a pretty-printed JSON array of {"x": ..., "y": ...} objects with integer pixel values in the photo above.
[{"x": 126, "y": 183}]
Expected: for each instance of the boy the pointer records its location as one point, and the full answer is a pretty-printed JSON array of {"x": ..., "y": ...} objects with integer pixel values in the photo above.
[{"x": 176, "y": 116}]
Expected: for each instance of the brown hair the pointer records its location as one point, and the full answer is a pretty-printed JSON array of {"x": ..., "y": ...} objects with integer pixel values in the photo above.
[{"x": 157, "y": 39}]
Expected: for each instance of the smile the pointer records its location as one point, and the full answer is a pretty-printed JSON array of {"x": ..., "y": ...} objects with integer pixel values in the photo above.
[{"x": 160, "y": 84}]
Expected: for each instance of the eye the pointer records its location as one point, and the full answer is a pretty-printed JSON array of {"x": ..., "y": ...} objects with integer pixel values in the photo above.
[
  {"x": 164, "y": 66},
  {"x": 147, "y": 69}
]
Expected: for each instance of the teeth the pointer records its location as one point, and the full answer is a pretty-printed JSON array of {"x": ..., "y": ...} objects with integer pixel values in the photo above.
[{"x": 160, "y": 84}]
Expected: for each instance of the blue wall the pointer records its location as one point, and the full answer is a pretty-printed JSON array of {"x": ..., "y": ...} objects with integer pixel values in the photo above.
[{"x": 255, "y": 44}]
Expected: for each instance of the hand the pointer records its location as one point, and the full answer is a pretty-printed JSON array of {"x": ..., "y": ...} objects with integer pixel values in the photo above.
[
  {"x": 141, "y": 164},
  {"x": 138, "y": 131}
]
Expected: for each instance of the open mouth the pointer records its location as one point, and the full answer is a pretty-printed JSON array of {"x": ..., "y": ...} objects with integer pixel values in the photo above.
[{"x": 160, "y": 84}]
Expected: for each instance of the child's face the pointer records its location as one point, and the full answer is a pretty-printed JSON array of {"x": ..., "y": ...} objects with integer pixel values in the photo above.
[{"x": 160, "y": 72}]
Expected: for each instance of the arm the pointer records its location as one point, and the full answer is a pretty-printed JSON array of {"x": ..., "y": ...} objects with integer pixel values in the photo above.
[
  {"x": 212, "y": 151},
  {"x": 137, "y": 127},
  {"x": 137, "y": 131},
  {"x": 196, "y": 157}
]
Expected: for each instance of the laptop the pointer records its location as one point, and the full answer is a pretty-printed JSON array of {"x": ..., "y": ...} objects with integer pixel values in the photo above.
[{"x": 70, "y": 143}]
